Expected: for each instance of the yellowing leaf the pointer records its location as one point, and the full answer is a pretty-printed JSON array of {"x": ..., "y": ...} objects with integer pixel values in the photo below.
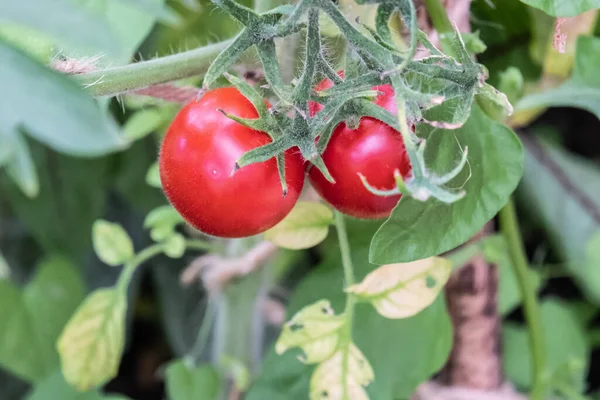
[
  {"x": 343, "y": 377},
  {"x": 91, "y": 344},
  {"x": 315, "y": 329},
  {"x": 305, "y": 226},
  {"x": 111, "y": 243},
  {"x": 403, "y": 290}
]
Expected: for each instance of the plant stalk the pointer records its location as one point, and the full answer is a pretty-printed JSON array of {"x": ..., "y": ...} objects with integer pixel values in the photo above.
[
  {"x": 349, "y": 279},
  {"x": 117, "y": 80},
  {"x": 510, "y": 229},
  {"x": 439, "y": 16}
]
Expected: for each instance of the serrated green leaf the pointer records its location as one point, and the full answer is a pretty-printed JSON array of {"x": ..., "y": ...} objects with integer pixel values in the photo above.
[
  {"x": 192, "y": 383},
  {"x": 417, "y": 230},
  {"x": 563, "y": 8},
  {"x": 35, "y": 316},
  {"x": 403, "y": 290},
  {"x": 344, "y": 376},
  {"x": 91, "y": 344},
  {"x": 582, "y": 90},
  {"x": 315, "y": 329},
  {"x": 175, "y": 245},
  {"x": 153, "y": 176},
  {"x": 66, "y": 118},
  {"x": 305, "y": 226},
  {"x": 143, "y": 123},
  {"x": 111, "y": 242}
]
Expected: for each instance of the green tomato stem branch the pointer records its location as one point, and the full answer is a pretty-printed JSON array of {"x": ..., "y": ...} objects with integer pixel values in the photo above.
[
  {"x": 131, "y": 266},
  {"x": 439, "y": 16},
  {"x": 116, "y": 80},
  {"x": 349, "y": 279},
  {"x": 510, "y": 229}
]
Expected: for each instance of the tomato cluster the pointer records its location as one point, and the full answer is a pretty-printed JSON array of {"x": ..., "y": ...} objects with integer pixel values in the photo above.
[{"x": 199, "y": 152}]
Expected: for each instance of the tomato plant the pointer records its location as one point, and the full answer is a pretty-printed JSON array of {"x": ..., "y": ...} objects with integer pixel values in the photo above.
[
  {"x": 373, "y": 150},
  {"x": 197, "y": 162},
  {"x": 238, "y": 220}
]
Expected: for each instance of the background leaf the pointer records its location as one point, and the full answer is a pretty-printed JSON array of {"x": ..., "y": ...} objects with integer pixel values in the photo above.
[
  {"x": 91, "y": 344},
  {"x": 562, "y": 192},
  {"x": 417, "y": 230},
  {"x": 582, "y": 90},
  {"x": 111, "y": 243},
  {"x": 305, "y": 226},
  {"x": 566, "y": 347},
  {"x": 65, "y": 118},
  {"x": 34, "y": 317},
  {"x": 55, "y": 386},
  {"x": 563, "y": 8},
  {"x": 192, "y": 383}
]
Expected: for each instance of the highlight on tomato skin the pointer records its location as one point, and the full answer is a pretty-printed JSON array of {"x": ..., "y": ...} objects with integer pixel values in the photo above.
[
  {"x": 198, "y": 155},
  {"x": 373, "y": 149}
]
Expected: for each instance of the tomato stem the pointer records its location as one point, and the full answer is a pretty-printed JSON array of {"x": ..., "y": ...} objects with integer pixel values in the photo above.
[
  {"x": 116, "y": 80},
  {"x": 510, "y": 229},
  {"x": 349, "y": 279}
]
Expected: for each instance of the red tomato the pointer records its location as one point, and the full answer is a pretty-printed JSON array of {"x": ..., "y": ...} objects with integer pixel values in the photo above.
[
  {"x": 198, "y": 155},
  {"x": 374, "y": 150}
]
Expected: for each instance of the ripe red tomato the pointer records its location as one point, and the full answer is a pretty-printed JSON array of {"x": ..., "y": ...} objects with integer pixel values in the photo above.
[
  {"x": 198, "y": 155},
  {"x": 374, "y": 150}
]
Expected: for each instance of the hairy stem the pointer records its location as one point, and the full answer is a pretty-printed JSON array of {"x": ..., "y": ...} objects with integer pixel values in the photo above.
[
  {"x": 510, "y": 229},
  {"x": 113, "y": 81}
]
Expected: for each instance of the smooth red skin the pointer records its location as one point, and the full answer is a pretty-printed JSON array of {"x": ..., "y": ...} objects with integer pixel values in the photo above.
[
  {"x": 198, "y": 155},
  {"x": 374, "y": 149}
]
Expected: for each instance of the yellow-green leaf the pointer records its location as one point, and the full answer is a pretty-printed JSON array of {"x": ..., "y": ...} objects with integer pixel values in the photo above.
[
  {"x": 175, "y": 245},
  {"x": 403, "y": 290},
  {"x": 111, "y": 243},
  {"x": 315, "y": 329},
  {"x": 153, "y": 176},
  {"x": 91, "y": 344},
  {"x": 305, "y": 226},
  {"x": 342, "y": 377}
]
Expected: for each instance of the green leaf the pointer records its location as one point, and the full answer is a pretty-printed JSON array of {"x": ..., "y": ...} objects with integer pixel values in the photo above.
[
  {"x": 582, "y": 90},
  {"x": 59, "y": 19},
  {"x": 128, "y": 20},
  {"x": 315, "y": 329},
  {"x": 55, "y": 386},
  {"x": 403, "y": 290},
  {"x": 305, "y": 226},
  {"x": 72, "y": 195},
  {"x": 143, "y": 123},
  {"x": 346, "y": 372},
  {"x": 4, "y": 267},
  {"x": 563, "y": 8},
  {"x": 566, "y": 347},
  {"x": 412, "y": 348},
  {"x": 192, "y": 383},
  {"x": 162, "y": 222},
  {"x": 91, "y": 344},
  {"x": 562, "y": 191},
  {"x": 35, "y": 316},
  {"x": 65, "y": 118},
  {"x": 417, "y": 230},
  {"x": 153, "y": 176},
  {"x": 175, "y": 245},
  {"x": 111, "y": 243},
  {"x": 20, "y": 166}
]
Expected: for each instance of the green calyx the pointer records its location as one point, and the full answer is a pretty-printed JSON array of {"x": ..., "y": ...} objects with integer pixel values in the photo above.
[{"x": 437, "y": 89}]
